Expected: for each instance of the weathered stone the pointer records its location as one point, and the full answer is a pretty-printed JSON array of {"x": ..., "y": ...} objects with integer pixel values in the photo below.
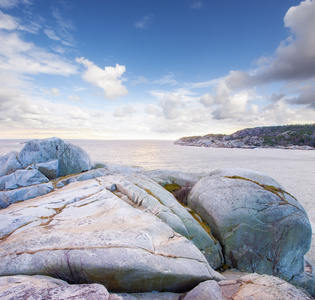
[
  {"x": 71, "y": 159},
  {"x": 261, "y": 227},
  {"x": 146, "y": 296},
  {"x": 9, "y": 163},
  {"x": 206, "y": 290},
  {"x": 44, "y": 287},
  {"x": 22, "y": 194},
  {"x": 22, "y": 178},
  {"x": 258, "y": 287},
  {"x": 84, "y": 233},
  {"x": 49, "y": 169},
  {"x": 147, "y": 195}
]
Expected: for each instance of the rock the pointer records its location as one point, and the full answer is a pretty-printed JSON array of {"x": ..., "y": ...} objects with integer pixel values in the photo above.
[
  {"x": 22, "y": 178},
  {"x": 206, "y": 290},
  {"x": 49, "y": 169},
  {"x": 257, "y": 287},
  {"x": 84, "y": 233},
  {"x": 261, "y": 227},
  {"x": 71, "y": 159},
  {"x": 145, "y": 194},
  {"x": 44, "y": 287},
  {"x": 22, "y": 194},
  {"x": 9, "y": 163},
  {"x": 146, "y": 296}
]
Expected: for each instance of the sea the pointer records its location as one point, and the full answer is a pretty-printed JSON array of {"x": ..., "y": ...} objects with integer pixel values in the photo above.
[{"x": 293, "y": 169}]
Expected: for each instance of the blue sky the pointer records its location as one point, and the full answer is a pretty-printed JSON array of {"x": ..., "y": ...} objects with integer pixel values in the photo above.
[{"x": 163, "y": 69}]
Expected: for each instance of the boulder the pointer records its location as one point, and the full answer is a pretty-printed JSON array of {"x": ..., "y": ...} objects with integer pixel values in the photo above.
[
  {"x": 49, "y": 169},
  {"x": 22, "y": 194},
  {"x": 44, "y": 287},
  {"x": 261, "y": 227},
  {"x": 145, "y": 194},
  {"x": 9, "y": 163},
  {"x": 22, "y": 178},
  {"x": 257, "y": 287},
  {"x": 85, "y": 233},
  {"x": 206, "y": 290},
  {"x": 71, "y": 159}
]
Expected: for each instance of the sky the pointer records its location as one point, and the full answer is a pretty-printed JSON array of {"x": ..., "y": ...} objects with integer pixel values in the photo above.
[{"x": 154, "y": 69}]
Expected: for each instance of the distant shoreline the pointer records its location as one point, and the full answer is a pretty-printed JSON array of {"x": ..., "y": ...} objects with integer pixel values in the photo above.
[{"x": 292, "y": 137}]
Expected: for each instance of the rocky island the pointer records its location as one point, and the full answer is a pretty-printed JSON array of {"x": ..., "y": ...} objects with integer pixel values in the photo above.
[
  {"x": 75, "y": 229},
  {"x": 287, "y": 137}
]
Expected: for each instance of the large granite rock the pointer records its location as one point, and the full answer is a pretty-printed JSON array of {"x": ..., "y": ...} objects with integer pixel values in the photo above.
[
  {"x": 85, "y": 233},
  {"x": 44, "y": 287},
  {"x": 9, "y": 163},
  {"x": 25, "y": 193},
  {"x": 261, "y": 227},
  {"x": 22, "y": 178},
  {"x": 146, "y": 195},
  {"x": 71, "y": 159}
]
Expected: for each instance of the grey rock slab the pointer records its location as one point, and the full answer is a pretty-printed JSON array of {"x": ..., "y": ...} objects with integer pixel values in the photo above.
[
  {"x": 22, "y": 194},
  {"x": 22, "y": 178},
  {"x": 206, "y": 290},
  {"x": 261, "y": 227},
  {"x": 49, "y": 169},
  {"x": 71, "y": 159},
  {"x": 146, "y": 296},
  {"x": 9, "y": 163},
  {"x": 88, "y": 234},
  {"x": 258, "y": 287},
  {"x": 38, "y": 287},
  {"x": 147, "y": 195}
]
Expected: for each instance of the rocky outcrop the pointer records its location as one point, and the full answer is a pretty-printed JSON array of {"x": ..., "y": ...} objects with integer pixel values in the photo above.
[
  {"x": 136, "y": 231},
  {"x": 85, "y": 233},
  {"x": 261, "y": 227},
  {"x": 44, "y": 287},
  {"x": 289, "y": 136},
  {"x": 71, "y": 159}
]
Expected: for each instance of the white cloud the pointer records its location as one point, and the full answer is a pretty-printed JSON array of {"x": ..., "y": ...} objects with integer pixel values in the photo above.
[
  {"x": 51, "y": 34},
  {"x": 78, "y": 114},
  {"x": 171, "y": 105},
  {"x": 108, "y": 78},
  {"x": 75, "y": 99},
  {"x": 7, "y": 22},
  {"x": 12, "y": 3},
  {"x": 55, "y": 92},
  {"x": 196, "y": 5},
  {"x": 19, "y": 56},
  {"x": 125, "y": 111},
  {"x": 145, "y": 22},
  {"x": 152, "y": 109},
  {"x": 167, "y": 79},
  {"x": 294, "y": 59}
]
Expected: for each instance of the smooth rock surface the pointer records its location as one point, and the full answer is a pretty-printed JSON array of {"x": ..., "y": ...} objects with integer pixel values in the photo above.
[
  {"x": 22, "y": 178},
  {"x": 9, "y": 163},
  {"x": 261, "y": 227},
  {"x": 206, "y": 290},
  {"x": 260, "y": 287},
  {"x": 38, "y": 287},
  {"x": 71, "y": 159},
  {"x": 85, "y": 233},
  {"x": 145, "y": 194},
  {"x": 22, "y": 194}
]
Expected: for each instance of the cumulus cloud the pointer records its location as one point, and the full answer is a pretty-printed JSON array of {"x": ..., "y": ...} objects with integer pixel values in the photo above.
[
  {"x": 306, "y": 97},
  {"x": 125, "y": 111},
  {"x": 144, "y": 22},
  {"x": 294, "y": 59},
  {"x": 171, "y": 105},
  {"x": 152, "y": 109},
  {"x": 107, "y": 79}
]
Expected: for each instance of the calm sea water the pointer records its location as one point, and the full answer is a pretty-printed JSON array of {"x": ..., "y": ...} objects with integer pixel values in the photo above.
[{"x": 294, "y": 169}]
